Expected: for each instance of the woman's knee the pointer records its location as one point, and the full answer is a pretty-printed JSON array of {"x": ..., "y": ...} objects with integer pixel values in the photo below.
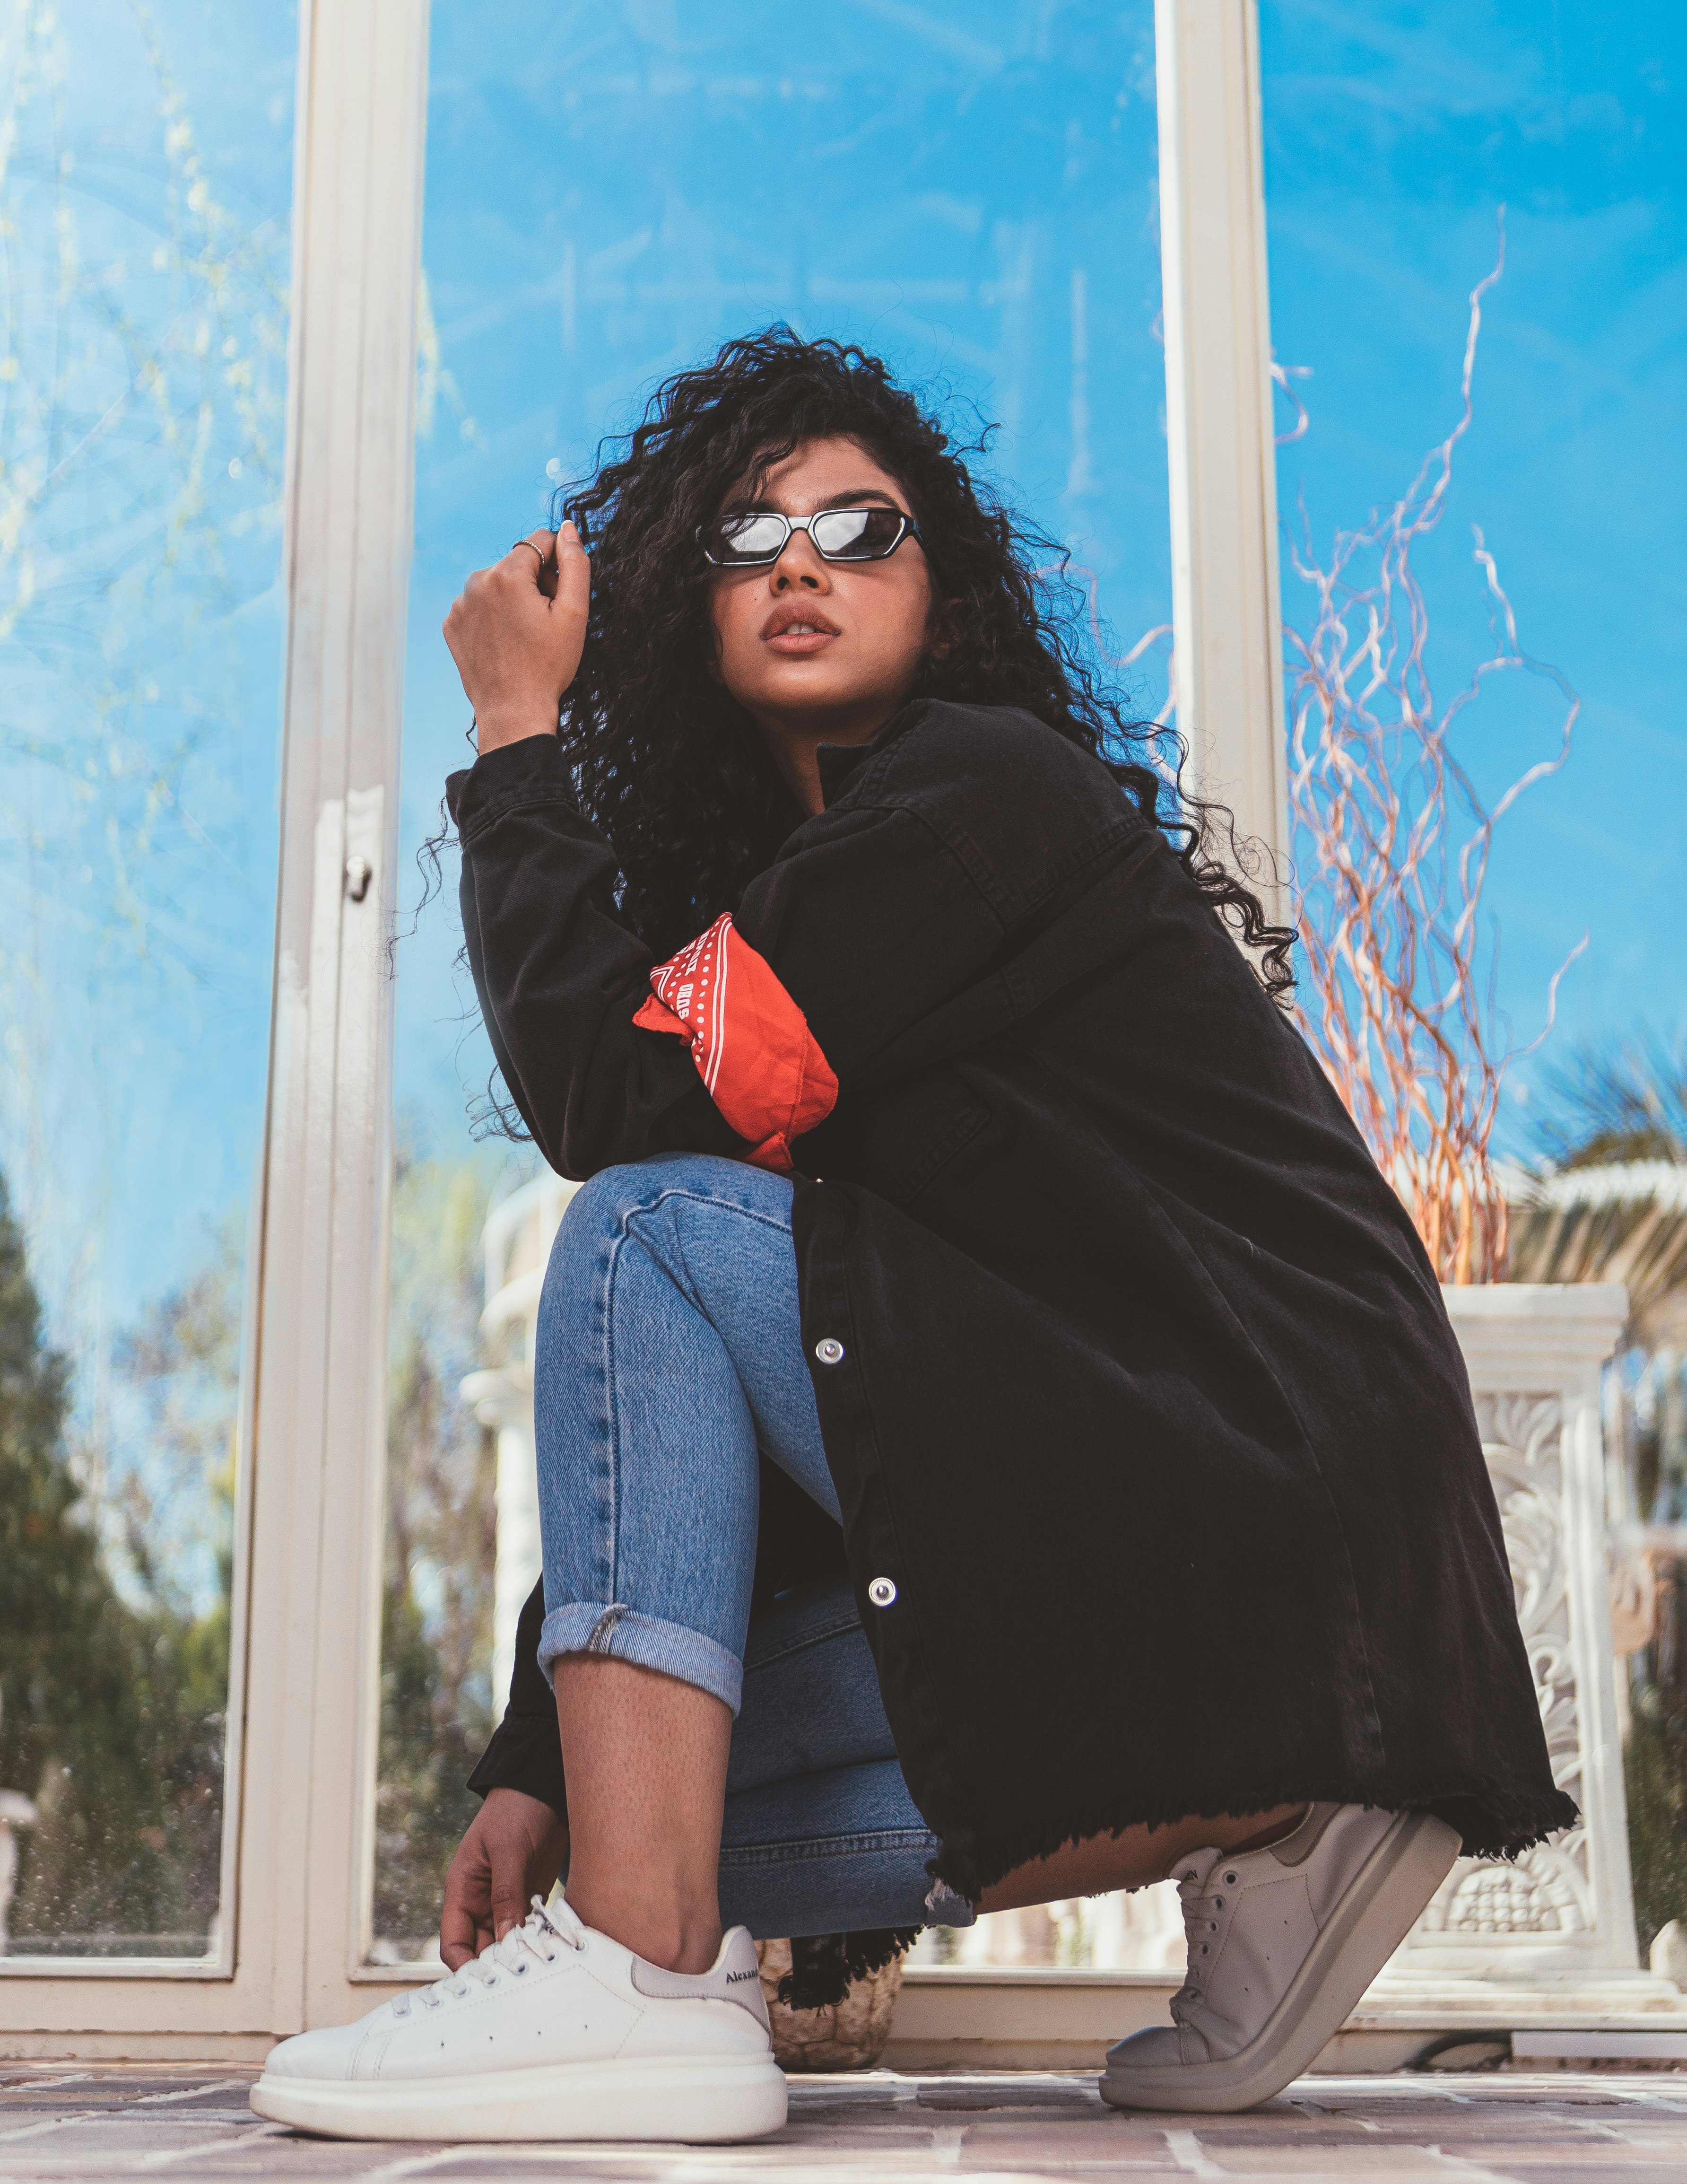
[
  {"x": 599, "y": 1222},
  {"x": 602, "y": 1205},
  {"x": 600, "y": 1210},
  {"x": 609, "y": 1205}
]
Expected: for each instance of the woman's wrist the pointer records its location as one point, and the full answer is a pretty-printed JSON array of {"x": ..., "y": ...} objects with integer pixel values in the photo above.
[{"x": 497, "y": 727}]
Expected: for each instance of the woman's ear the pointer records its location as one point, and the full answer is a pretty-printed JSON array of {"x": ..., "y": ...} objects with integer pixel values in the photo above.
[{"x": 944, "y": 632}]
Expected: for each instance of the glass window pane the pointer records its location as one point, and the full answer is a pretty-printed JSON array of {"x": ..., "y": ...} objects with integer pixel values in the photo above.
[
  {"x": 610, "y": 192},
  {"x": 1398, "y": 139},
  {"x": 144, "y": 198}
]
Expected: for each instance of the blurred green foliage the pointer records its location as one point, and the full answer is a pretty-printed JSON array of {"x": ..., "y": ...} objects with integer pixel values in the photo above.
[
  {"x": 1654, "y": 1763},
  {"x": 112, "y": 1698},
  {"x": 1655, "y": 1770}
]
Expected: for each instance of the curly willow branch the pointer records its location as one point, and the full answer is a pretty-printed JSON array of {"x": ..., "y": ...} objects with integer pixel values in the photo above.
[{"x": 1392, "y": 846}]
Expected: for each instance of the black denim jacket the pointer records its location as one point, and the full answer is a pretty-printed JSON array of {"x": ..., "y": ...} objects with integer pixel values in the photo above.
[{"x": 1148, "y": 1404}]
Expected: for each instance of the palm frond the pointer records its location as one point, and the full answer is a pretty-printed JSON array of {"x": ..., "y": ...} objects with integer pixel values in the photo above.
[{"x": 1623, "y": 1103}]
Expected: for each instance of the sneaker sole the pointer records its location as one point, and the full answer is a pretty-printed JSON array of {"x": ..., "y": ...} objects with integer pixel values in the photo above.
[
  {"x": 690, "y": 2099},
  {"x": 1372, "y": 1921}
]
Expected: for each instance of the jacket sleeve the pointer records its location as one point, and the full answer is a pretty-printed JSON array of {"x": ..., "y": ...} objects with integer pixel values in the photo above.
[
  {"x": 560, "y": 976},
  {"x": 874, "y": 914},
  {"x": 871, "y": 916},
  {"x": 526, "y": 1750}
]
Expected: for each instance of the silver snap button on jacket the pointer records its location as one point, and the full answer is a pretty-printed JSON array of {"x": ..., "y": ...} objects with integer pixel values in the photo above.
[
  {"x": 829, "y": 1350},
  {"x": 881, "y": 1591}
]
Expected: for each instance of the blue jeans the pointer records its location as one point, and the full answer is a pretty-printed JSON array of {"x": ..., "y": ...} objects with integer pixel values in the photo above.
[{"x": 668, "y": 1352}]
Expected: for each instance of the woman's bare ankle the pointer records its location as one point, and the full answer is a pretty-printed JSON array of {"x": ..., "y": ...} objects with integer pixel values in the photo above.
[
  {"x": 679, "y": 1937},
  {"x": 1262, "y": 1829}
]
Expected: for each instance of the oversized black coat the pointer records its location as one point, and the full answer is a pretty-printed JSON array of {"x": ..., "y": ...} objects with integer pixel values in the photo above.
[{"x": 1149, "y": 1403}]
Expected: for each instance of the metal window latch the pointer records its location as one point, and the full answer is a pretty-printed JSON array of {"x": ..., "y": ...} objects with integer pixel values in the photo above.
[{"x": 359, "y": 873}]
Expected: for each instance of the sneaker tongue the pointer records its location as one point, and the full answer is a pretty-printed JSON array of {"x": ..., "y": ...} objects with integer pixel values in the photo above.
[{"x": 1191, "y": 1872}]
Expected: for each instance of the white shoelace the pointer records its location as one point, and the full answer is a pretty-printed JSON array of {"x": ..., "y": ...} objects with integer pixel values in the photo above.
[
  {"x": 534, "y": 1939},
  {"x": 1199, "y": 1927}
]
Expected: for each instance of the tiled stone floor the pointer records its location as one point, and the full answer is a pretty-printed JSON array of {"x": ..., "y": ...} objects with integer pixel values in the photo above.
[{"x": 110, "y": 2121}]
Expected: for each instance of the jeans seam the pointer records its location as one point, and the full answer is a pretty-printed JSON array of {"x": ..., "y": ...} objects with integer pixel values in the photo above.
[
  {"x": 796, "y": 1850},
  {"x": 695, "y": 1197},
  {"x": 612, "y": 1415}
]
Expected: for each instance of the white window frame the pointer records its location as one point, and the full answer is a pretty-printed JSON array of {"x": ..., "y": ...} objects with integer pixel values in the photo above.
[
  {"x": 305, "y": 1694},
  {"x": 1221, "y": 443}
]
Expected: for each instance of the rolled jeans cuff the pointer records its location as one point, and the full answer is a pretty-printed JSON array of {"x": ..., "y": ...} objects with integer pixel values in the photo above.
[{"x": 622, "y": 1634}]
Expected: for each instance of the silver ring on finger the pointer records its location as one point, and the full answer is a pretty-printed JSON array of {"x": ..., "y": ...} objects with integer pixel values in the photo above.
[{"x": 527, "y": 543}]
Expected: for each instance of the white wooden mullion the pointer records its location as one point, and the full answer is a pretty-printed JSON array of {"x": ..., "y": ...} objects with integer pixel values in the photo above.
[
  {"x": 353, "y": 511},
  {"x": 1221, "y": 447}
]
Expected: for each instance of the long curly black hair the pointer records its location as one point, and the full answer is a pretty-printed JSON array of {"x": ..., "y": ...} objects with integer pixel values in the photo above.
[{"x": 665, "y": 761}]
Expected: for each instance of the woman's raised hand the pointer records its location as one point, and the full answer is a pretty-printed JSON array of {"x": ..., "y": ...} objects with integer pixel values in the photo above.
[{"x": 515, "y": 632}]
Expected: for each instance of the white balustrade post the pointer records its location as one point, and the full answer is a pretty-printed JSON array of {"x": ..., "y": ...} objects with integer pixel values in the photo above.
[{"x": 1548, "y": 1941}]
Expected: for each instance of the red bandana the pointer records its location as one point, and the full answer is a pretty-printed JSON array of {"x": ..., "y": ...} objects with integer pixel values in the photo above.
[{"x": 753, "y": 1050}]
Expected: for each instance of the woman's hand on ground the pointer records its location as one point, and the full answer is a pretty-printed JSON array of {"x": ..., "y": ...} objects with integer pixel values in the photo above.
[
  {"x": 513, "y": 1851},
  {"x": 515, "y": 632}
]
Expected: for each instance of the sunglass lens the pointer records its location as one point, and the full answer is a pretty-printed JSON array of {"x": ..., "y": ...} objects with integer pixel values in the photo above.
[
  {"x": 745, "y": 538},
  {"x": 856, "y": 534}
]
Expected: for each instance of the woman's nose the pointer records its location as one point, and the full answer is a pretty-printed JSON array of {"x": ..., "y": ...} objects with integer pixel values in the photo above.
[{"x": 800, "y": 567}]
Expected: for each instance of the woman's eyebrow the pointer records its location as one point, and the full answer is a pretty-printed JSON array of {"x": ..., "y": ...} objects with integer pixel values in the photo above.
[
  {"x": 859, "y": 493},
  {"x": 852, "y": 496}
]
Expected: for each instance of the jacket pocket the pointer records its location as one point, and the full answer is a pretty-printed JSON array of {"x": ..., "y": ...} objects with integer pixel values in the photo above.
[{"x": 915, "y": 1129}]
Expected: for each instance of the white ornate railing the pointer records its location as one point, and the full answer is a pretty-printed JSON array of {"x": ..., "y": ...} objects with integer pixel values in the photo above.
[{"x": 1552, "y": 1935}]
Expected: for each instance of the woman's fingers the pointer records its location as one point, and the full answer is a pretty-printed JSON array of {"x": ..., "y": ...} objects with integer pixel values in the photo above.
[
  {"x": 510, "y": 1854},
  {"x": 465, "y": 1915},
  {"x": 516, "y": 634},
  {"x": 573, "y": 575},
  {"x": 542, "y": 570}
]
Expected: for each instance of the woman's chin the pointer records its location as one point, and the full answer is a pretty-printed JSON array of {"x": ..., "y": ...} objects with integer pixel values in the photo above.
[{"x": 806, "y": 700}]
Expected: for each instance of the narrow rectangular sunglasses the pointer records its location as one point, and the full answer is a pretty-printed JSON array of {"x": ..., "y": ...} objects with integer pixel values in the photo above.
[{"x": 756, "y": 539}]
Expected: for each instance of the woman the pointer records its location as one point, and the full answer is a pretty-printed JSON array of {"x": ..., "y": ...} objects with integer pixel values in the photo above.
[{"x": 1000, "y": 1437}]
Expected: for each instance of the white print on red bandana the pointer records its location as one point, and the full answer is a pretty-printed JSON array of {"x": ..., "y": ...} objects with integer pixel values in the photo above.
[{"x": 759, "y": 1062}]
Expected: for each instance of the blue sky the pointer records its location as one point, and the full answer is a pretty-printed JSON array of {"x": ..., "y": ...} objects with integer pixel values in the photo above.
[
  {"x": 1393, "y": 134},
  {"x": 145, "y": 308}
]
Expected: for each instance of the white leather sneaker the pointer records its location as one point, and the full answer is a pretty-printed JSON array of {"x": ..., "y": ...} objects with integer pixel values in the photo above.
[
  {"x": 1282, "y": 1942},
  {"x": 556, "y": 2031}
]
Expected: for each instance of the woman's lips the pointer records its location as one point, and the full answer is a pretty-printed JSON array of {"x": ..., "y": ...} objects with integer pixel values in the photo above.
[{"x": 797, "y": 643}]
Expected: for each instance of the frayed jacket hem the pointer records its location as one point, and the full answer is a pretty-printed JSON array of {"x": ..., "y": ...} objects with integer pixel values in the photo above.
[{"x": 1493, "y": 1824}]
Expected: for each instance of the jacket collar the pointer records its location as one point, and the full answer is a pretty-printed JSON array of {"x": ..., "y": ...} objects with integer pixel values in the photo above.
[{"x": 838, "y": 763}]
